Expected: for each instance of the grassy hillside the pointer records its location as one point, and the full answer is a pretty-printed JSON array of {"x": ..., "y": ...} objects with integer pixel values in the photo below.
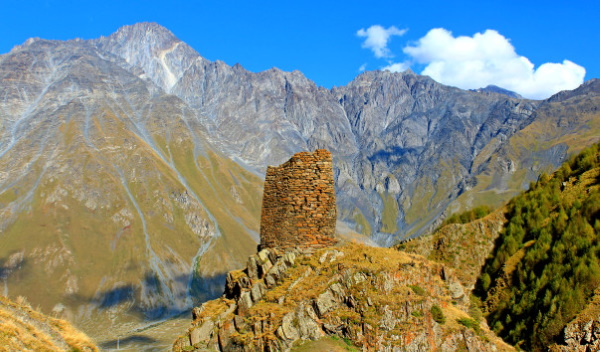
[
  {"x": 545, "y": 266},
  {"x": 24, "y": 329},
  {"x": 122, "y": 223}
]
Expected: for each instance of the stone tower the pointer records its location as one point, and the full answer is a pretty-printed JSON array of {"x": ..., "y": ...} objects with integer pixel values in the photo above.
[{"x": 299, "y": 209}]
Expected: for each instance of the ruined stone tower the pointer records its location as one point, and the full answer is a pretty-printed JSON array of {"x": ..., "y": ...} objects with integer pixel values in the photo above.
[{"x": 299, "y": 209}]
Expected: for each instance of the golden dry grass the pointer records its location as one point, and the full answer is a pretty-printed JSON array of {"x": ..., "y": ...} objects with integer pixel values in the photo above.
[{"x": 24, "y": 329}]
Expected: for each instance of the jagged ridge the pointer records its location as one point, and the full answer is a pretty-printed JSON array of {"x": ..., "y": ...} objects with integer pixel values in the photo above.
[{"x": 377, "y": 298}]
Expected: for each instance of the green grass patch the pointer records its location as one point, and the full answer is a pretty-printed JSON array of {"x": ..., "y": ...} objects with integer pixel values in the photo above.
[
  {"x": 417, "y": 313},
  {"x": 390, "y": 213},
  {"x": 469, "y": 323},
  {"x": 363, "y": 225}
]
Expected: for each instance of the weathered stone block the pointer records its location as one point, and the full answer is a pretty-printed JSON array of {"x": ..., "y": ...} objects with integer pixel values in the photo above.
[
  {"x": 252, "y": 268},
  {"x": 203, "y": 333},
  {"x": 257, "y": 291}
]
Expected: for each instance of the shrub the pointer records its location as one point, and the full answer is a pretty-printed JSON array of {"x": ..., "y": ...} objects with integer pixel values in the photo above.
[
  {"x": 417, "y": 313},
  {"x": 469, "y": 323},
  {"x": 438, "y": 314},
  {"x": 417, "y": 289}
]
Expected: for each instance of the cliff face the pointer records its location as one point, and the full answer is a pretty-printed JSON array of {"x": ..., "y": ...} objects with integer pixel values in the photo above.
[{"x": 379, "y": 299}]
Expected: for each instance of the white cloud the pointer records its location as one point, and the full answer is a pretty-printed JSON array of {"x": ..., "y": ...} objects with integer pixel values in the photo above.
[
  {"x": 377, "y": 39},
  {"x": 489, "y": 58},
  {"x": 397, "y": 67},
  {"x": 362, "y": 67}
]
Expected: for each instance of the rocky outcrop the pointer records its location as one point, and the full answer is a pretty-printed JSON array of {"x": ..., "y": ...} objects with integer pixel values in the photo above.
[
  {"x": 298, "y": 208},
  {"x": 582, "y": 334},
  {"x": 217, "y": 323},
  {"x": 463, "y": 247},
  {"x": 379, "y": 299}
]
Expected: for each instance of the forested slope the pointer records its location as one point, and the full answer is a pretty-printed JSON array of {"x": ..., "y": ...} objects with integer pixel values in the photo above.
[{"x": 545, "y": 268}]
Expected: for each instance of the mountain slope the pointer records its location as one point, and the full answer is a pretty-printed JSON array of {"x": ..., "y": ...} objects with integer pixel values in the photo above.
[
  {"x": 463, "y": 247},
  {"x": 405, "y": 147},
  {"x": 110, "y": 191},
  {"x": 257, "y": 118},
  {"x": 562, "y": 125},
  {"x": 420, "y": 139},
  {"x": 534, "y": 263}
]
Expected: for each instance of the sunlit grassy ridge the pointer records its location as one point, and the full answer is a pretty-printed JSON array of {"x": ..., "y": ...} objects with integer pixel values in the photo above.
[
  {"x": 464, "y": 247},
  {"x": 24, "y": 329}
]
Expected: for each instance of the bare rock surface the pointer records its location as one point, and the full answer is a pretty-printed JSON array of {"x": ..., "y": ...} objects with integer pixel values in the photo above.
[{"x": 582, "y": 334}]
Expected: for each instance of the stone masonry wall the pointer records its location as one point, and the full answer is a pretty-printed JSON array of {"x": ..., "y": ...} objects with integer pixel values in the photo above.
[{"x": 299, "y": 209}]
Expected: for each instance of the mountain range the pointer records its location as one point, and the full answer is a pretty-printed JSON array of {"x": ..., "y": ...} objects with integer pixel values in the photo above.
[{"x": 131, "y": 166}]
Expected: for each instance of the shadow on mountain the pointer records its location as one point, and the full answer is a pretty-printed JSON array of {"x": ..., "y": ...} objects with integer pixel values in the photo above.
[
  {"x": 395, "y": 154},
  {"x": 153, "y": 300},
  {"x": 129, "y": 341},
  {"x": 116, "y": 296},
  {"x": 9, "y": 265}
]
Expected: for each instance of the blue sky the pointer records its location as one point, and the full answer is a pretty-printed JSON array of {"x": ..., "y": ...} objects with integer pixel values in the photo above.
[{"x": 320, "y": 38}]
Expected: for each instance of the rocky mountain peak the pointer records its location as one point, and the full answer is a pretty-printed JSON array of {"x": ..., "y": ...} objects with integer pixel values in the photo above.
[
  {"x": 145, "y": 32},
  {"x": 499, "y": 90},
  {"x": 390, "y": 84},
  {"x": 153, "y": 48}
]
